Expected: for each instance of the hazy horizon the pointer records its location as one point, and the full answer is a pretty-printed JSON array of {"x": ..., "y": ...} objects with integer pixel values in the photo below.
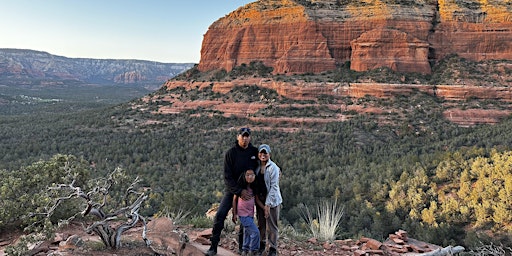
[{"x": 163, "y": 31}]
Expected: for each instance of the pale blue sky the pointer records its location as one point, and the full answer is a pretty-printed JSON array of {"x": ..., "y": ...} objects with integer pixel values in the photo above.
[{"x": 159, "y": 30}]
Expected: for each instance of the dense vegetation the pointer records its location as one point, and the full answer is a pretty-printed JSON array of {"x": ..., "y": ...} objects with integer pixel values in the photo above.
[
  {"x": 22, "y": 100},
  {"x": 414, "y": 175}
]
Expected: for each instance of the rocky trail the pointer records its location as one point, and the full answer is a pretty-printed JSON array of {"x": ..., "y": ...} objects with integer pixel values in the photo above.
[{"x": 168, "y": 239}]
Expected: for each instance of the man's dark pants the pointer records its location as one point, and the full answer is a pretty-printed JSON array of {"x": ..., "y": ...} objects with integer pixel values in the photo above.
[{"x": 218, "y": 223}]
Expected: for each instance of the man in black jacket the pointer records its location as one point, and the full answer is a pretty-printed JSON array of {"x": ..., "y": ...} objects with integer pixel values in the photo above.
[{"x": 241, "y": 157}]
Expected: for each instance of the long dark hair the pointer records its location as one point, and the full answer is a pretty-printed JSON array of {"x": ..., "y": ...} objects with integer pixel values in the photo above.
[
  {"x": 258, "y": 186},
  {"x": 243, "y": 182}
]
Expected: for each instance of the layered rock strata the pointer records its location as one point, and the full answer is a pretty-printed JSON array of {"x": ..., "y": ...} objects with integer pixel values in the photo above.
[
  {"x": 311, "y": 91},
  {"x": 301, "y": 90},
  {"x": 314, "y": 36}
]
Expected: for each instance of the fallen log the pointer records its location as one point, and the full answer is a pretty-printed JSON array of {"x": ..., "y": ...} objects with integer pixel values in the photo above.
[{"x": 449, "y": 250}]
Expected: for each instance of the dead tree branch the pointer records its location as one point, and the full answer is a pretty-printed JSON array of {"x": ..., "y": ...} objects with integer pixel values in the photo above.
[
  {"x": 444, "y": 251},
  {"x": 96, "y": 200}
]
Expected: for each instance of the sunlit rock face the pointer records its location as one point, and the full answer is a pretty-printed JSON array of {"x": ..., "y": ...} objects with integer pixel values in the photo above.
[{"x": 314, "y": 36}]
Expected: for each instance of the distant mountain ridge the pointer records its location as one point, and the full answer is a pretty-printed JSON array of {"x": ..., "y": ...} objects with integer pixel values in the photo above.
[{"x": 34, "y": 68}]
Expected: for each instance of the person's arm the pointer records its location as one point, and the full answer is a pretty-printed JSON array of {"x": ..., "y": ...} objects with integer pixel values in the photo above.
[
  {"x": 229, "y": 179},
  {"x": 234, "y": 210},
  {"x": 274, "y": 186},
  {"x": 259, "y": 202}
]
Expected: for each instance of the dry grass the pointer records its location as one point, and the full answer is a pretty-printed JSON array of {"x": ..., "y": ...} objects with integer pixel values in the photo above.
[{"x": 328, "y": 217}]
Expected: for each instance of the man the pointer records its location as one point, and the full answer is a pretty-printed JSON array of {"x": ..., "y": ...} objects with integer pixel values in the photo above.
[
  {"x": 241, "y": 157},
  {"x": 273, "y": 201}
]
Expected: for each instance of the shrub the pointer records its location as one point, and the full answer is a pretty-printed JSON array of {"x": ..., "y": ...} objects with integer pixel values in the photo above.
[
  {"x": 24, "y": 191},
  {"x": 199, "y": 221}
]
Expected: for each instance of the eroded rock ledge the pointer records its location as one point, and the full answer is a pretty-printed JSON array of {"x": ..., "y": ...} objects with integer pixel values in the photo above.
[{"x": 301, "y": 90}]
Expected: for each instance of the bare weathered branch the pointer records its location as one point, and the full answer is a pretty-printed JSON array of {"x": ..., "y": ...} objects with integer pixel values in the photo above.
[
  {"x": 110, "y": 236},
  {"x": 444, "y": 251}
]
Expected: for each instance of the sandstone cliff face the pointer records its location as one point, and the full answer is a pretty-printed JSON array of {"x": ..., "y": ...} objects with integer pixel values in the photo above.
[
  {"x": 390, "y": 48},
  {"x": 313, "y": 36},
  {"x": 277, "y": 33}
]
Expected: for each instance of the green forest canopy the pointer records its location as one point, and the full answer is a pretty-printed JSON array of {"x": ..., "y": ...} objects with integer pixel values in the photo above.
[{"x": 385, "y": 181}]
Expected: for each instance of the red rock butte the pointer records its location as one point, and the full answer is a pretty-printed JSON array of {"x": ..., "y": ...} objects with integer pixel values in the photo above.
[{"x": 312, "y": 36}]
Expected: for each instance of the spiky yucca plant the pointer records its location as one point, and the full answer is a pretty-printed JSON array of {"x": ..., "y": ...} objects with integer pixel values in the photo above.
[{"x": 328, "y": 217}]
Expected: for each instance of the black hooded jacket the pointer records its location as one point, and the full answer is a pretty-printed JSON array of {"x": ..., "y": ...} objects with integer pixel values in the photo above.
[{"x": 236, "y": 161}]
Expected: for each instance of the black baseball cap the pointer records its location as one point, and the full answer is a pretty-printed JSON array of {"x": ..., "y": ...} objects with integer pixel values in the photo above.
[{"x": 244, "y": 131}]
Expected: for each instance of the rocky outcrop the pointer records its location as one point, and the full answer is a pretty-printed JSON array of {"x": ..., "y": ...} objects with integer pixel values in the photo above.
[
  {"x": 338, "y": 110},
  {"x": 469, "y": 117},
  {"x": 389, "y": 48},
  {"x": 315, "y": 35},
  {"x": 301, "y": 90},
  {"x": 130, "y": 77}
]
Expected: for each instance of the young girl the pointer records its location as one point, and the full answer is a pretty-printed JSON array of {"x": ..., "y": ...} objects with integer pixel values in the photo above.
[{"x": 244, "y": 209}]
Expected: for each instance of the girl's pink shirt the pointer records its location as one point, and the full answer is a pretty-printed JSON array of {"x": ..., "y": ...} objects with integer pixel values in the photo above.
[{"x": 246, "y": 208}]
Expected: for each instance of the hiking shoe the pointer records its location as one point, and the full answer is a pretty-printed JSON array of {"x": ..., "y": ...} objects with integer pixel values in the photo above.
[
  {"x": 262, "y": 248},
  {"x": 211, "y": 252},
  {"x": 272, "y": 252}
]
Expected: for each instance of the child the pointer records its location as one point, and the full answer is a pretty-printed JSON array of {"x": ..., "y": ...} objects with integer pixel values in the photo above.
[{"x": 244, "y": 209}]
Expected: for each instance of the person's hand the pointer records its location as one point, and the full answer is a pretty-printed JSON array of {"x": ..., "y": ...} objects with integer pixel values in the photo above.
[
  {"x": 267, "y": 211},
  {"x": 234, "y": 218},
  {"x": 245, "y": 195}
]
